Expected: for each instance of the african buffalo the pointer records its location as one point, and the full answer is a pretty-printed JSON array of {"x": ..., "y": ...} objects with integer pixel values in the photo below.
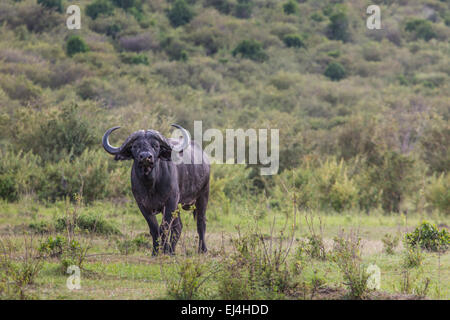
[{"x": 159, "y": 184}]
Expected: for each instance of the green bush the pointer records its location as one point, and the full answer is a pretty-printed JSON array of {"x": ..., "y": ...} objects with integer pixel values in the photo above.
[
  {"x": 427, "y": 236},
  {"x": 335, "y": 71},
  {"x": 250, "y": 49},
  {"x": 98, "y": 7},
  {"x": 293, "y": 40},
  {"x": 130, "y": 58},
  {"x": 223, "y": 6},
  {"x": 52, "y": 4},
  {"x": 127, "y": 4},
  {"x": 338, "y": 28},
  {"x": 437, "y": 193},
  {"x": 423, "y": 29},
  {"x": 93, "y": 223},
  {"x": 75, "y": 44},
  {"x": 243, "y": 9},
  {"x": 180, "y": 13},
  {"x": 290, "y": 7},
  {"x": 8, "y": 187}
]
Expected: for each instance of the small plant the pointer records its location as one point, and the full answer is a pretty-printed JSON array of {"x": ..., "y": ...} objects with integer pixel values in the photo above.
[
  {"x": 126, "y": 246},
  {"x": 316, "y": 248},
  {"x": 427, "y": 236},
  {"x": 186, "y": 284},
  {"x": 389, "y": 243},
  {"x": 412, "y": 257},
  {"x": 16, "y": 274},
  {"x": 40, "y": 227},
  {"x": 346, "y": 254},
  {"x": 76, "y": 44},
  {"x": 53, "y": 246}
]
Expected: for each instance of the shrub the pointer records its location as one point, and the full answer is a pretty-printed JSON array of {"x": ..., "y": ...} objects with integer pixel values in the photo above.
[
  {"x": 180, "y": 13},
  {"x": 437, "y": 193},
  {"x": 423, "y": 29},
  {"x": 175, "y": 49},
  {"x": 338, "y": 28},
  {"x": 93, "y": 223},
  {"x": 427, "y": 236},
  {"x": 243, "y": 9},
  {"x": 435, "y": 149},
  {"x": 346, "y": 254},
  {"x": 75, "y": 44},
  {"x": 16, "y": 274},
  {"x": 127, "y": 4},
  {"x": 134, "y": 59},
  {"x": 40, "y": 227},
  {"x": 223, "y": 6},
  {"x": 52, "y": 4},
  {"x": 293, "y": 40},
  {"x": 53, "y": 246},
  {"x": 98, "y": 7},
  {"x": 250, "y": 49},
  {"x": 412, "y": 257},
  {"x": 290, "y": 7},
  {"x": 59, "y": 134},
  {"x": 187, "y": 282},
  {"x": 140, "y": 42},
  {"x": 8, "y": 187},
  {"x": 335, "y": 71},
  {"x": 389, "y": 243}
]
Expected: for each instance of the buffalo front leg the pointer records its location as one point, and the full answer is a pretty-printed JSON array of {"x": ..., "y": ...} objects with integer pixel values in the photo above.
[
  {"x": 154, "y": 232},
  {"x": 170, "y": 226}
]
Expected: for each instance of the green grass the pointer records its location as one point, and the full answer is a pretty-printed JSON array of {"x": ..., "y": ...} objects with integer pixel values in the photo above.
[{"x": 107, "y": 274}]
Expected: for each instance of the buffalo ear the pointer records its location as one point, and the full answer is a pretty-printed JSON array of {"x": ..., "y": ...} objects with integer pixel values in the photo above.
[
  {"x": 124, "y": 155},
  {"x": 165, "y": 153}
]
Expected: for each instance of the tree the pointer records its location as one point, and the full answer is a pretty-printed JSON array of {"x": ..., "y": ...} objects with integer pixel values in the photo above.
[
  {"x": 76, "y": 44},
  {"x": 180, "y": 13},
  {"x": 335, "y": 71},
  {"x": 250, "y": 49},
  {"x": 338, "y": 28}
]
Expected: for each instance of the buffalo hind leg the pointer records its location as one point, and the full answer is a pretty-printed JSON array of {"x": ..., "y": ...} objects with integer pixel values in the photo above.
[{"x": 200, "y": 214}]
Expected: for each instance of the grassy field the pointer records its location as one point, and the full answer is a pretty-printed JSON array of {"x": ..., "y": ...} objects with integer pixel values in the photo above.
[{"x": 112, "y": 270}]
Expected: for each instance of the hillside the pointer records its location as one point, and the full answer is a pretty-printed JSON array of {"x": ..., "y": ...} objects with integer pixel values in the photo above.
[{"x": 378, "y": 99}]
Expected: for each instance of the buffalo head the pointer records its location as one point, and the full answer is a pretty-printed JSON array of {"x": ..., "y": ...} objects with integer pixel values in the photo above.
[{"x": 146, "y": 147}]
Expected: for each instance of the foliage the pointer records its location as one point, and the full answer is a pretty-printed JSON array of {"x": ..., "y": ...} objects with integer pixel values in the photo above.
[
  {"x": 437, "y": 193},
  {"x": 250, "y": 49},
  {"x": 98, "y": 7},
  {"x": 52, "y": 4},
  {"x": 346, "y": 254},
  {"x": 290, "y": 7},
  {"x": 423, "y": 29},
  {"x": 428, "y": 236},
  {"x": 76, "y": 44},
  {"x": 180, "y": 13},
  {"x": 293, "y": 40},
  {"x": 389, "y": 243},
  {"x": 335, "y": 71},
  {"x": 338, "y": 28}
]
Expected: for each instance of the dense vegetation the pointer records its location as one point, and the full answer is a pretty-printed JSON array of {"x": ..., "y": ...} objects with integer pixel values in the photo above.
[{"x": 363, "y": 114}]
